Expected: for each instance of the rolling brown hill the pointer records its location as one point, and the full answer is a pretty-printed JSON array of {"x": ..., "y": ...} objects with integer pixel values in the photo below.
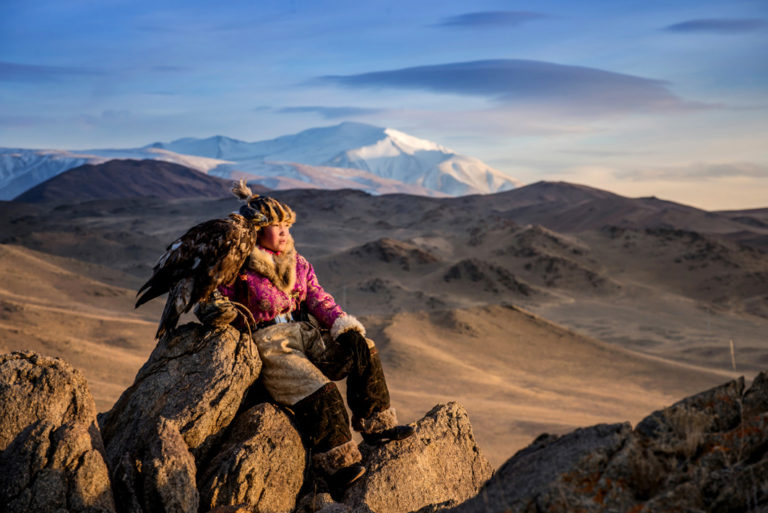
[
  {"x": 573, "y": 208},
  {"x": 651, "y": 288},
  {"x": 64, "y": 307},
  {"x": 665, "y": 287},
  {"x": 518, "y": 374},
  {"x": 127, "y": 178},
  {"x": 754, "y": 216}
]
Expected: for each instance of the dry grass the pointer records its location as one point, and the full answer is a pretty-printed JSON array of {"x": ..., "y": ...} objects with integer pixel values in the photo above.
[{"x": 690, "y": 426}]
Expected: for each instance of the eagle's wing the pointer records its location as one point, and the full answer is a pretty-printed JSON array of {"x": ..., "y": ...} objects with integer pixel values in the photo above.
[{"x": 195, "y": 264}]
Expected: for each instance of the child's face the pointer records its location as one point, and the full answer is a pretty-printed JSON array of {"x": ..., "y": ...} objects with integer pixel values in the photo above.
[{"x": 274, "y": 237}]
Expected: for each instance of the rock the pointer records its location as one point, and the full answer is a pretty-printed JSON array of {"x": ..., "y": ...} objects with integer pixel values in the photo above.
[
  {"x": 440, "y": 462},
  {"x": 535, "y": 472},
  {"x": 707, "y": 452},
  {"x": 719, "y": 408},
  {"x": 195, "y": 377},
  {"x": 173, "y": 433},
  {"x": 317, "y": 501},
  {"x": 740, "y": 488},
  {"x": 178, "y": 407},
  {"x": 170, "y": 470},
  {"x": 51, "y": 452},
  {"x": 161, "y": 478},
  {"x": 260, "y": 466},
  {"x": 756, "y": 398}
]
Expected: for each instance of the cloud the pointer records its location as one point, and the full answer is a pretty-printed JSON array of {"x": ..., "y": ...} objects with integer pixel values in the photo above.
[
  {"x": 719, "y": 25},
  {"x": 481, "y": 126},
  {"x": 330, "y": 112},
  {"x": 515, "y": 80},
  {"x": 14, "y": 72},
  {"x": 698, "y": 171},
  {"x": 487, "y": 19}
]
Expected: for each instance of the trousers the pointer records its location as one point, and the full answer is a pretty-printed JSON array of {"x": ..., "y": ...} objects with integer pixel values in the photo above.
[{"x": 300, "y": 363}]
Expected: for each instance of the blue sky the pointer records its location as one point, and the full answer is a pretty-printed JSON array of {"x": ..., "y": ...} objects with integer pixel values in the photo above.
[{"x": 665, "y": 98}]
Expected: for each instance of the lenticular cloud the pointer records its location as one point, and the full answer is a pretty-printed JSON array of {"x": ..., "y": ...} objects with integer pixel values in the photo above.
[{"x": 517, "y": 80}]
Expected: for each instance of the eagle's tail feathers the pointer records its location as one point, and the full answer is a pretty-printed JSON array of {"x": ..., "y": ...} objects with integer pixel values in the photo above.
[
  {"x": 169, "y": 318},
  {"x": 178, "y": 302}
]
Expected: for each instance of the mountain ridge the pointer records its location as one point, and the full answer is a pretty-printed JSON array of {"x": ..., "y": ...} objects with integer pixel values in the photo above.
[
  {"x": 383, "y": 152},
  {"x": 127, "y": 178},
  {"x": 374, "y": 159}
]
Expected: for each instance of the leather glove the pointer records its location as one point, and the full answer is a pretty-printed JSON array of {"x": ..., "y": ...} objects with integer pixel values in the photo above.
[{"x": 217, "y": 311}]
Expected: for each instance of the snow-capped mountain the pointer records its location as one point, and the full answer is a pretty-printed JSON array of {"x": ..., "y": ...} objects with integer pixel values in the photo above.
[
  {"x": 22, "y": 169},
  {"x": 383, "y": 152},
  {"x": 354, "y": 155}
]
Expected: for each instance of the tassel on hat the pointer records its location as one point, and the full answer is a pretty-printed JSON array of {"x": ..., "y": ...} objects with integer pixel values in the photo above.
[
  {"x": 262, "y": 210},
  {"x": 241, "y": 190}
]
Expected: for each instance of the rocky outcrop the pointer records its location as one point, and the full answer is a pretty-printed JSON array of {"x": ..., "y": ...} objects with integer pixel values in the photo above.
[
  {"x": 440, "y": 463},
  {"x": 51, "y": 454},
  {"x": 171, "y": 470},
  {"x": 196, "y": 377},
  {"x": 176, "y": 411},
  {"x": 195, "y": 445},
  {"x": 178, "y": 440},
  {"x": 160, "y": 477},
  {"x": 532, "y": 478},
  {"x": 708, "y": 452},
  {"x": 261, "y": 464}
]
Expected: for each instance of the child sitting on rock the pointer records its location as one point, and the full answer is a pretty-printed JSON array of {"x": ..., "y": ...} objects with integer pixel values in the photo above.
[{"x": 306, "y": 341}]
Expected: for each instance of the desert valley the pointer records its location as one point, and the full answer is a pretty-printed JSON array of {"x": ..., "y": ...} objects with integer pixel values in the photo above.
[{"x": 540, "y": 309}]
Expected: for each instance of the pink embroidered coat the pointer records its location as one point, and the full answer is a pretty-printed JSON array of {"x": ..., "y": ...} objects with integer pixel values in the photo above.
[{"x": 274, "y": 284}]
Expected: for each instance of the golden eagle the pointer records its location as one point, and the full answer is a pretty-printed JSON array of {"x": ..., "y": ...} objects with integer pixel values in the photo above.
[{"x": 208, "y": 255}]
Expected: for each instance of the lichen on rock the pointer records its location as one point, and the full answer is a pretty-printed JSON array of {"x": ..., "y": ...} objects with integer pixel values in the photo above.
[{"x": 706, "y": 452}]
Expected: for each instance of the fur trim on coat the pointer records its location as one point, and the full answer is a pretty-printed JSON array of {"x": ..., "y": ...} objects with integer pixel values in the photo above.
[
  {"x": 337, "y": 458},
  {"x": 346, "y": 323},
  {"x": 377, "y": 422},
  {"x": 280, "y": 269},
  {"x": 262, "y": 287}
]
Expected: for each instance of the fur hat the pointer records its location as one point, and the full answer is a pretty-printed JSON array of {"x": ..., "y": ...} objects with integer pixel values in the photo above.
[{"x": 262, "y": 210}]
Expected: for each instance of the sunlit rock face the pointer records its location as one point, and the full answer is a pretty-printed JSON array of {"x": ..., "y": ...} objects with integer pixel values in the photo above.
[{"x": 51, "y": 453}]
